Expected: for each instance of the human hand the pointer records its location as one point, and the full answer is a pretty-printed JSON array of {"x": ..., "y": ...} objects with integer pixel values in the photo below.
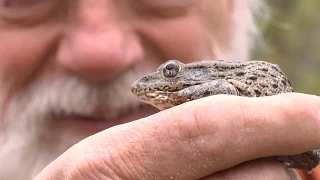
[{"x": 210, "y": 138}]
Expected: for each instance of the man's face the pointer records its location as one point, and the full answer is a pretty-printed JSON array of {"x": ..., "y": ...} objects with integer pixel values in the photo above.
[{"x": 66, "y": 66}]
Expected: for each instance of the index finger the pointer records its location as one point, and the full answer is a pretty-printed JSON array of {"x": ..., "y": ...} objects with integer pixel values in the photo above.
[{"x": 197, "y": 138}]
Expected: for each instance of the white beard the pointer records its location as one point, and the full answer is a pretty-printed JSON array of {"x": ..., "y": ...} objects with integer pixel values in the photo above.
[
  {"x": 24, "y": 154},
  {"x": 28, "y": 142}
]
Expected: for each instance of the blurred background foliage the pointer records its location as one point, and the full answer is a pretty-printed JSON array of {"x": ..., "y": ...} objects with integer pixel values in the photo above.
[{"x": 291, "y": 38}]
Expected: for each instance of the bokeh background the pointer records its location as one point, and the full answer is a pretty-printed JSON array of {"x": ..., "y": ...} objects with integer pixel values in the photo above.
[{"x": 291, "y": 38}]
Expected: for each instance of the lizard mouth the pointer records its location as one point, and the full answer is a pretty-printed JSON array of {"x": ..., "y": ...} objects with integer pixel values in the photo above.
[{"x": 160, "y": 99}]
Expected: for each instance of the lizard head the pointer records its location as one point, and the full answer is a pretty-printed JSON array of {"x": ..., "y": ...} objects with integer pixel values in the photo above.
[{"x": 160, "y": 89}]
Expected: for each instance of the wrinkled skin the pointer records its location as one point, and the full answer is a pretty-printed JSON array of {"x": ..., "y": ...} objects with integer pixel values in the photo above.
[{"x": 67, "y": 66}]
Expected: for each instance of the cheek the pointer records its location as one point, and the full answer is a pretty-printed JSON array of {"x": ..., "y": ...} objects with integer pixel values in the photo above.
[
  {"x": 21, "y": 53},
  {"x": 205, "y": 33},
  {"x": 184, "y": 39}
]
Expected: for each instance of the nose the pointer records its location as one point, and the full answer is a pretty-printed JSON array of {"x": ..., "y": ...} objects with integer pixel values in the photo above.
[{"x": 98, "y": 48}]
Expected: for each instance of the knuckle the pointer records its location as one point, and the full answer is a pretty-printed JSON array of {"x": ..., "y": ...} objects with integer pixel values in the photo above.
[{"x": 202, "y": 130}]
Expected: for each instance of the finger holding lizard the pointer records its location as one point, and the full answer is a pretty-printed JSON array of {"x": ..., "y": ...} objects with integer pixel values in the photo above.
[{"x": 192, "y": 141}]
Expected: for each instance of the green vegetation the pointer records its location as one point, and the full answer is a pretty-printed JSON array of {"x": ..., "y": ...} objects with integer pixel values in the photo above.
[{"x": 292, "y": 40}]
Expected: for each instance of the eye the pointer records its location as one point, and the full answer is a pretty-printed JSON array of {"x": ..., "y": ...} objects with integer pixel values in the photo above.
[
  {"x": 165, "y": 8},
  {"x": 26, "y": 11},
  {"x": 171, "y": 69},
  {"x": 9, "y": 3}
]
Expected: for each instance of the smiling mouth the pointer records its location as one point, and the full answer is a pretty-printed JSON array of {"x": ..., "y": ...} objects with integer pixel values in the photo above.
[
  {"x": 101, "y": 113},
  {"x": 88, "y": 124}
]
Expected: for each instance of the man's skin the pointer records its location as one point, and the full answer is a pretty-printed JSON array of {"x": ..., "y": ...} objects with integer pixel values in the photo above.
[{"x": 66, "y": 70}]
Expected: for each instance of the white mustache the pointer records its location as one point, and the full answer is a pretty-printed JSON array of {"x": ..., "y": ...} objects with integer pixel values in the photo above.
[{"x": 54, "y": 95}]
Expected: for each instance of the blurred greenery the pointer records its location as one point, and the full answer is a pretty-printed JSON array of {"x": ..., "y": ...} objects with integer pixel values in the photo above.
[{"x": 291, "y": 38}]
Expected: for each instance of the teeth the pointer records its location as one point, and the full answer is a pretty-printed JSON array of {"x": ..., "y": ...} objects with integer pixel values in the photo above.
[{"x": 112, "y": 114}]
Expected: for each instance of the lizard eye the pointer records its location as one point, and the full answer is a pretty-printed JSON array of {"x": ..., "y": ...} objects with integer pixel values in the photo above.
[{"x": 171, "y": 69}]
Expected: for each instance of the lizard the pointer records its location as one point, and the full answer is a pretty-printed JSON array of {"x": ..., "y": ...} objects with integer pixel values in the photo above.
[{"x": 175, "y": 83}]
